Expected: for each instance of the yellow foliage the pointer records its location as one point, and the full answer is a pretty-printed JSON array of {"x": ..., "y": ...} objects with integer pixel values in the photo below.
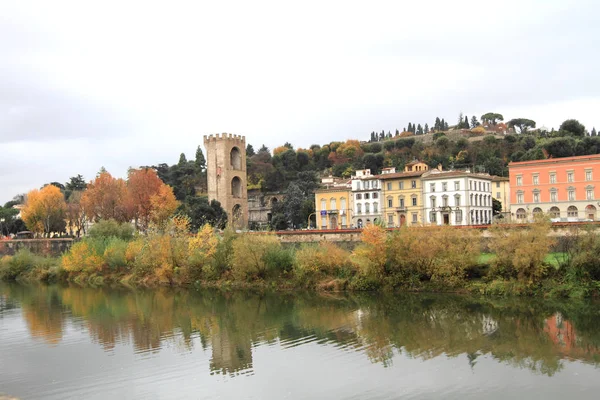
[
  {"x": 406, "y": 134},
  {"x": 133, "y": 249},
  {"x": 163, "y": 205},
  {"x": 325, "y": 258},
  {"x": 371, "y": 254},
  {"x": 44, "y": 210},
  {"x": 205, "y": 241},
  {"x": 82, "y": 258},
  {"x": 480, "y": 130},
  {"x": 249, "y": 251}
]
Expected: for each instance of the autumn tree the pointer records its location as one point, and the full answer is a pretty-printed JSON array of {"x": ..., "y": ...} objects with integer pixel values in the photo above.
[
  {"x": 44, "y": 210},
  {"x": 163, "y": 205},
  {"x": 142, "y": 184},
  {"x": 75, "y": 215},
  {"x": 105, "y": 198}
]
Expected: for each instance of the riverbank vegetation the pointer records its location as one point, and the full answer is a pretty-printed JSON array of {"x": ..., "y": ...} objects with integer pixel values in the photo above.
[{"x": 517, "y": 260}]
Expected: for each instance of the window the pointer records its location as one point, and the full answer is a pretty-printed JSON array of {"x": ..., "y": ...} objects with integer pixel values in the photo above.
[
  {"x": 375, "y": 184},
  {"x": 401, "y": 185},
  {"x": 589, "y": 193},
  {"x": 570, "y": 176},
  {"x": 588, "y": 175},
  {"x": 536, "y": 180},
  {"x": 390, "y": 219},
  {"x": 520, "y": 198},
  {"x": 554, "y": 212},
  {"x": 323, "y": 222},
  {"x": 415, "y": 218},
  {"x": 413, "y": 184},
  {"x": 480, "y": 186},
  {"x": 571, "y": 194},
  {"x": 344, "y": 222},
  {"x": 552, "y": 178},
  {"x": 497, "y": 184},
  {"x": 359, "y": 208},
  {"x": 458, "y": 216},
  {"x": 323, "y": 204},
  {"x": 572, "y": 212},
  {"x": 367, "y": 196},
  {"x": 536, "y": 197},
  {"x": 444, "y": 187},
  {"x": 432, "y": 201},
  {"x": 358, "y": 196},
  {"x": 470, "y": 185},
  {"x": 343, "y": 204},
  {"x": 414, "y": 201},
  {"x": 553, "y": 196},
  {"x": 375, "y": 207},
  {"x": 457, "y": 185},
  {"x": 497, "y": 195},
  {"x": 432, "y": 187},
  {"x": 375, "y": 195},
  {"x": 519, "y": 180},
  {"x": 366, "y": 184},
  {"x": 432, "y": 216},
  {"x": 332, "y": 204},
  {"x": 521, "y": 214},
  {"x": 389, "y": 186},
  {"x": 457, "y": 200},
  {"x": 390, "y": 202},
  {"x": 445, "y": 201},
  {"x": 367, "y": 208},
  {"x": 401, "y": 202}
]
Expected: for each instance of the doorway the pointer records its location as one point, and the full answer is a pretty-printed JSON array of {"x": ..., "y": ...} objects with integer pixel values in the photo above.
[{"x": 446, "y": 217}]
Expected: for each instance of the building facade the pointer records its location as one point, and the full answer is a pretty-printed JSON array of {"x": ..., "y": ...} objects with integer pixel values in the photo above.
[
  {"x": 366, "y": 197},
  {"x": 333, "y": 207},
  {"x": 457, "y": 198},
  {"x": 402, "y": 195},
  {"x": 501, "y": 192},
  {"x": 565, "y": 188},
  {"x": 260, "y": 206}
]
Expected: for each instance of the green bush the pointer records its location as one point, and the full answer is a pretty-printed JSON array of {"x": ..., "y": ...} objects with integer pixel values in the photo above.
[
  {"x": 111, "y": 228},
  {"x": 278, "y": 260},
  {"x": 114, "y": 253}
]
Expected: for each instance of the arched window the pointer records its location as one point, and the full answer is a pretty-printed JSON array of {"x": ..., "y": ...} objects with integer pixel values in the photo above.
[
  {"x": 521, "y": 214},
  {"x": 590, "y": 212},
  {"x": 554, "y": 212},
  {"x": 236, "y": 158},
  {"x": 572, "y": 212},
  {"x": 367, "y": 208},
  {"x": 236, "y": 187},
  {"x": 359, "y": 223},
  {"x": 375, "y": 207},
  {"x": 537, "y": 212}
]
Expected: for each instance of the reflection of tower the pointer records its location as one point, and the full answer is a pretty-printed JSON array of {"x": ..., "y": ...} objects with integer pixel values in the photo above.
[
  {"x": 226, "y": 173},
  {"x": 229, "y": 356}
]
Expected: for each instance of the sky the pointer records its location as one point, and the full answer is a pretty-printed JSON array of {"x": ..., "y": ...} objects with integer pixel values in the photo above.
[{"x": 121, "y": 84}]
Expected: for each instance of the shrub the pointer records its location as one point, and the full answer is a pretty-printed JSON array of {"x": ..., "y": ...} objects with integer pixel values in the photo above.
[
  {"x": 370, "y": 256},
  {"x": 202, "y": 250},
  {"x": 82, "y": 257},
  {"x": 134, "y": 248},
  {"x": 278, "y": 260},
  {"x": 520, "y": 252},
  {"x": 110, "y": 228},
  {"x": 480, "y": 130},
  {"x": 326, "y": 259},
  {"x": 222, "y": 260},
  {"x": 160, "y": 257},
  {"x": 115, "y": 253},
  {"x": 11, "y": 267},
  {"x": 249, "y": 253}
]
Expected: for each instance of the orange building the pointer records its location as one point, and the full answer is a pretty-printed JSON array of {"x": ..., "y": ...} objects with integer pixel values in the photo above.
[{"x": 566, "y": 188}]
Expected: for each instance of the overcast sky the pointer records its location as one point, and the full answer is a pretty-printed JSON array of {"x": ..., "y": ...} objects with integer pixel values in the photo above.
[{"x": 127, "y": 83}]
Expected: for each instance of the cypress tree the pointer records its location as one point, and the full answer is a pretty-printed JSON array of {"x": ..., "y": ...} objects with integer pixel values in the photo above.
[
  {"x": 426, "y": 129},
  {"x": 442, "y": 125},
  {"x": 594, "y": 133},
  {"x": 474, "y": 122},
  {"x": 409, "y": 127},
  {"x": 466, "y": 124},
  {"x": 419, "y": 130},
  {"x": 437, "y": 125}
]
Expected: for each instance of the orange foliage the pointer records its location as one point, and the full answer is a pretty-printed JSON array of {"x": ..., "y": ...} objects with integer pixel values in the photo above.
[
  {"x": 280, "y": 150},
  {"x": 480, "y": 130},
  {"x": 349, "y": 150},
  {"x": 163, "y": 204},
  {"x": 406, "y": 134},
  {"x": 371, "y": 254},
  {"x": 142, "y": 185},
  {"x": 82, "y": 258},
  {"x": 105, "y": 198},
  {"x": 44, "y": 209}
]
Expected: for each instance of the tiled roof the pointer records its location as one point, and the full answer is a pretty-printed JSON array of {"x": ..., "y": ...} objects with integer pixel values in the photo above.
[
  {"x": 591, "y": 157},
  {"x": 450, "y": 174},
  {"x": 400, "y": 175}
]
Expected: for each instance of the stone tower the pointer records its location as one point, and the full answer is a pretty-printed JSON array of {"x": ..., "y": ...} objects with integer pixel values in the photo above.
[{"x": 226, "y": 174}]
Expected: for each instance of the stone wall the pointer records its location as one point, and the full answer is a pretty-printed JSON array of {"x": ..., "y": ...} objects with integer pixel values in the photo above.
[{"x": 45, "y": 247}]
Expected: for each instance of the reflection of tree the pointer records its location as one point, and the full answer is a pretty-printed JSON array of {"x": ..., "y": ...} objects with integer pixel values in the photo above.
[{"x": 524, "y": 334}]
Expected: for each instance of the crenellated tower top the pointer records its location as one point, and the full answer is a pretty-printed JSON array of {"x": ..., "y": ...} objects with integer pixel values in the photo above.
[{"x": 238, "y": 139}]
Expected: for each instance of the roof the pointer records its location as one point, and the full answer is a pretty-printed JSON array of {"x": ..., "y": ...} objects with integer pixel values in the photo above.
[
  {"x": 451, "y": 174},
  {"x": 496, "y": 178},
  {"x": 592, "y": 157},
  {"x": 397, "y": 175},
  {"x": 333, "y": 189}
]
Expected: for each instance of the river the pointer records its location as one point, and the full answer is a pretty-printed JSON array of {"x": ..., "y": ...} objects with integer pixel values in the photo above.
[{"x": 71, "y": 342}]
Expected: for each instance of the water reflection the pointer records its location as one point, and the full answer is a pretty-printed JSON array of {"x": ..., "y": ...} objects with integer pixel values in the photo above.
[{"x": 537, "y": 335}]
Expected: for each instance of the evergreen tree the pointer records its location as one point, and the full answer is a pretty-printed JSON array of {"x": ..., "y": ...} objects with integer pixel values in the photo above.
[
  {"x": 594, "y": 133},
  {"x": 474, "y": 122},
  {"x": 438, "y": 123},
  {"x": 466, "y": 123},
  {"x": 442, "y": 125},
  {"x": 373, "y": 137},
  {"x": 409, "y": 127},
  {"x": 249, "y": 151},
  {"x": 459, "y": 125},
  {"x": 389, "y": 135},
  {"x": 419, "y": 130},
  {"x": 397, "y": 132},
  {"x": 404, "y": 130},
  {"x": 382, "y": 135},
  {"x": 182, "y": 159},
  {"x": 446, "y": 127},
  {"x": 426, "y": 129},
  {"x": 201, "y": 161}
]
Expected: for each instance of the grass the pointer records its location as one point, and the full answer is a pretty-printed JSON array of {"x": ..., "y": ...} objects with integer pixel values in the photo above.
[{"x": 551, "y": 258}]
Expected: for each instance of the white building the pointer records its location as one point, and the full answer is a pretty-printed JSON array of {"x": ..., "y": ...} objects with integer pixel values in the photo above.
[
  {"x": 457, "y": 198},
  {"x": 366, "y": 193}
]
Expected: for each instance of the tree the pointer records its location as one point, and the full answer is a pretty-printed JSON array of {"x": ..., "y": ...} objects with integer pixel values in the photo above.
[
  {"x": 419, "y": 129},
  {"x": 200, "y": 160},
  {"x": 466, "y": 123},
  {"x": 142, "y": 185},
  {"x": 105, "y": 198},
  {"x": 572, "y": 127},
  {"x": 460, "y": 123},
  {"x": 522, "y": 123},
  {"x": 249, "y": 150},
  {"x": 496, "y": 206},
  {"x": 163, "y": 205},
  {"x": 426, "y": 130},
  {"x": 8, "y": 216},
  {"x": 75, "y": 215},
  {"x": 474, "y": 122},
  {"x": 438, "y": 124},
  {"x": 593, "y": 132},
  {"x": 76, "y": 183},
  {"x": 491, "y": 118},
  {"x": 201, "y": 212},
  {"x": 44, "y": 210},
  {"x": 182, "y": 159}
]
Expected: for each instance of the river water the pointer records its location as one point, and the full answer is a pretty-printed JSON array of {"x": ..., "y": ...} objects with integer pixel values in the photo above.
[{"x": 85, "y": 343}]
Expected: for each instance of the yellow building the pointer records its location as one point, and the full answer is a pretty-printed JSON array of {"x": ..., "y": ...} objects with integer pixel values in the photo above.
[
  {"x": 402, "y": 197},
  {"x": 501, "y": 192},
  {"x": 333, "y": 204}
]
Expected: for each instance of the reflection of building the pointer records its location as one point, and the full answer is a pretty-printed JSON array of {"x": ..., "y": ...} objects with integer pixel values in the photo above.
[
  {"x": 501, "y": 192},
  {"x": 565, "y": 188},
  {"x": 260, "y": 207},
  {"x": 457, "y": 198},
  {"x": 333, "y": 203},
  {"x": 226, "y": 175},
  {"x": 228, "y": 356},
  {"x": 402, "y": 194},
  {"x": 366, "y": 192}
]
